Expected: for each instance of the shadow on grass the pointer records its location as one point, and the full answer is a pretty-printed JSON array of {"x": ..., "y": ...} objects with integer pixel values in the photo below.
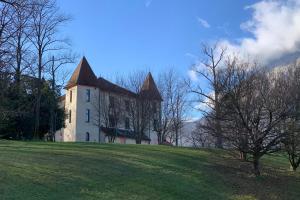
[{"x": 106, "y": 171}]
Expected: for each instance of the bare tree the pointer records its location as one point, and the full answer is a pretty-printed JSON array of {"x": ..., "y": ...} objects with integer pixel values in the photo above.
[
  {"x": 174, "y": 94},
  {"x": 6, "y": 18},
  {"x": 291, "y": 142},
  {"x": 54, "y": 68},
  {"x": 179, "y": 106},
  {"x": 140, "y": 116},
  {"x": 140, "y": 112},
  {"x": 291, "y": 126},
  {"x": 166, "y": 87},
  {"x": 10, "y": 2},
  {"x": 209, "y": 71},
  {"x": 101, "y": 116},
  {"x": 46, "y": 19},
  {"x": 200, "y": 137},
  {"x": 253, "y": 107},
  {"x": 115, "y": 111},
  {"x": 109, "y": 113},
  {"x": 21, "y": 55}
]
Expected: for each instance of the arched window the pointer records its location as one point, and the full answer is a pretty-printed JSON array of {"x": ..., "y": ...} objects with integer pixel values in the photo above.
[{"x": 87, "y": 136}]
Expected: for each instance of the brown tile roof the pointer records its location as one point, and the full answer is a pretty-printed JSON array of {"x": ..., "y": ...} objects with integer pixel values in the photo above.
[
  {"x": 83, "y": 75},
  {"x": 108, "y": 86},
  {"x": 149, "y": 89}
]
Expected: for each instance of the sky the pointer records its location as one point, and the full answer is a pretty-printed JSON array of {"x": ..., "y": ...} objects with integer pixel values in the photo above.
[{"x": 121, "y": 36}]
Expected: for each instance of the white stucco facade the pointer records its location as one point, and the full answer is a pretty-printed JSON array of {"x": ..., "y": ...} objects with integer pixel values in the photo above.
[
  {"x": 78, "y": 127},
  {"x": 92, "y": 117}
]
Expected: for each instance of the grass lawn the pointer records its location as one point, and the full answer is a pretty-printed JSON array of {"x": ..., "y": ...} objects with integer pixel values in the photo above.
[{"x": 32, "y": 170}]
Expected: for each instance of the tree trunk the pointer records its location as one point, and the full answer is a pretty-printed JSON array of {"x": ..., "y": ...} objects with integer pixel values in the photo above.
[
  {"x": 159, "y": 138},
  {"x": 176, "y": 137},
  {"x": 243, "y": 156},
  {"x": 256, "y": 166},
  {"x": 139, "y": 139},
  {"x": 37, "y": 116},
  {"x": 38, "y": 99}
]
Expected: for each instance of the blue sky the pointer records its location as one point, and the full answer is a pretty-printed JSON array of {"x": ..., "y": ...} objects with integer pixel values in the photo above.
[{"x": 119, "y": 36}]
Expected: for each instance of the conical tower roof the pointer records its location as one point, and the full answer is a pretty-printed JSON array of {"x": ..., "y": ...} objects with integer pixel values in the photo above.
[
  {"x": 149, "y": 89},
  {"x": 83, "y": 75}
]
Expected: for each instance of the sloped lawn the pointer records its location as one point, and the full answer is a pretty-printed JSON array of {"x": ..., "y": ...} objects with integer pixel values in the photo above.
[{"x": 32, "y": 170}]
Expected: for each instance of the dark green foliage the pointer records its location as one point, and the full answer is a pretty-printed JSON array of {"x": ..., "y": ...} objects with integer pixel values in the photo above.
[{"x": 17, "y": 108}]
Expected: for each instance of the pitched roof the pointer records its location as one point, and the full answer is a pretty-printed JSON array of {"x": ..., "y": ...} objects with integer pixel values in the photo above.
[
  {"x": 108, "y": 86},
  {"x": 149, "y": 89},
  {"x": 83, "y": 75}
]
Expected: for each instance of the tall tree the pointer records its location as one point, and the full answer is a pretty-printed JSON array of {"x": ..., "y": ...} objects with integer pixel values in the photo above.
[
  {"x": 209, "y": 71},
  {"x": 253, "y": 107},
  {"x": 140, "y": 107},
  {"x": 6, "y": 18},
  {"x": 291, "y": 126},
  {"x": 54, "y": 68},
  {"x": 166, "y": 84},
  {"x": 46, "y": 20}
]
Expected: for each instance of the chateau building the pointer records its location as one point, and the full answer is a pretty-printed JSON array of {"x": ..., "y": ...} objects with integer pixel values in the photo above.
[{"x": 100, "y": 111}]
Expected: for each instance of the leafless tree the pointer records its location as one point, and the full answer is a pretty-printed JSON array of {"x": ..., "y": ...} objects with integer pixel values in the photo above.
[
  {"x": 13, "y": 3},
  {"x": 101, "y": 116},
  {"x": 6, "y": 19},
  {"x": 22, "y": 57},
  {"x": 253, "y": 106},
  {"x": 209, "y": 71},
  {"x": 291, "y": 142},
  {"x": 46, "y": 20},
  {"x": 200, "y": 137},
  {"x": 291, "y": 126},
  {"x": 178, "y": 107},
  {"x": 140, "y": 116},
  {"x": 166, "y": 87},
  {"x": 108, "y": 113},
  {"x": 140, "y": 112},
  {"x": 54, "y": 68},
  {"x": 174, "y": 94},
  {"x": 115, "y": 111}
]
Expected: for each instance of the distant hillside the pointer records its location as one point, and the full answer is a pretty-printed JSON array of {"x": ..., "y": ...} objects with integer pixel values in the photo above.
[
  {"x": 185, "y": 139},
  {"x": 31, "y": 170}
]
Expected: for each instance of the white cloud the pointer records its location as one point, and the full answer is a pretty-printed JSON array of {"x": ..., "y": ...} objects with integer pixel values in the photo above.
[
  {"x": 203, "y": 22},
  {"x": 192, "y": 75},
  {"x": 148, "y": 3},
  {"x": 191, "y": 55},
  {"x": 275, "y": 31},
  {"x": 207, "y": 104}
]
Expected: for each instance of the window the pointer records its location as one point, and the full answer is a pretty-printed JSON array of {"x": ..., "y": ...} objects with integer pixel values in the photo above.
[
  {"x": 154, "y": 108},
  {"x": 127, "y": 125},
  {"x": 127, "y": 105},
  {"x": 70, "y": 116},
  {"x": 111, "y": 120},
  {"x": 87, "y": 136},
  {"x": 87, "y": 115},
  {"x": 88, "y": 95},
  {"x": 155, "y": 124},
  {"x": 111, "y": 102},
  {"x": 70, "y": 95}
]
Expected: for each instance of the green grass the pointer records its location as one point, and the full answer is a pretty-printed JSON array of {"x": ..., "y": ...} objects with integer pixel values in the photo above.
[{"x": 32, "y": 170}]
